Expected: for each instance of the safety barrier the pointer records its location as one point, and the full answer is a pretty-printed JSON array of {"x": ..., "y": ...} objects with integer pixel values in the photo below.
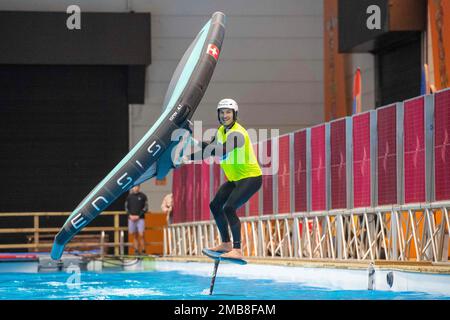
[
  {"x": 42, "y": 238},
  {"x": 417, "y": 233},
  {"x": 375, "y": 185}
]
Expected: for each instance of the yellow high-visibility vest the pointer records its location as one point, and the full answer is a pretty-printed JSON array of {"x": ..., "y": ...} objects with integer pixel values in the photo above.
[{"x": 240, "y": 163}]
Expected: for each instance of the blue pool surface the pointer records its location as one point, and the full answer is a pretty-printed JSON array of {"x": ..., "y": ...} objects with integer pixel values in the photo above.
[{"x": 169, "y": 285}]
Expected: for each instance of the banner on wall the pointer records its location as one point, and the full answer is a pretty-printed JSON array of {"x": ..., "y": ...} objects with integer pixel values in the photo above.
[
  {"x": 425, "y": 86},
  {"x": 439, "y": 13},
  {"x": 334, "y": 75},
  {"x": 161, "y": 182},
  {"x": 357, "y": 107}
]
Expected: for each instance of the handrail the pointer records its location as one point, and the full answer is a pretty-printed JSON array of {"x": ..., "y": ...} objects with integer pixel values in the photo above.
[
  {"x": 48, "y": 214},
  {"x": 31, "y": 230},
  {"x": 402, "y": 233},
  {"x": 37, "y": 231}
]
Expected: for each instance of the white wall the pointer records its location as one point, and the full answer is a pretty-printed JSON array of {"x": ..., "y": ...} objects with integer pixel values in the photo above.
[
  {"x": 271, "y": 61},
  {"x": 366, "y": 62}
]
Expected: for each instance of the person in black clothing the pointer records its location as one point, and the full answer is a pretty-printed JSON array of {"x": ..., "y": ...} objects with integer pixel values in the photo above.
[
  {"x": 232, "y": 145},
  {"x": 136, "y": 206}
]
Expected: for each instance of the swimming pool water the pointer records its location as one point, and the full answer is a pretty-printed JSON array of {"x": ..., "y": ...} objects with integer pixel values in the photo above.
[{"x": 169, "y": 285}]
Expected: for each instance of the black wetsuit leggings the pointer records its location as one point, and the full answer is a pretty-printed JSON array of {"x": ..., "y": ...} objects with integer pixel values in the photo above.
[{"x": 229, "y": 198}]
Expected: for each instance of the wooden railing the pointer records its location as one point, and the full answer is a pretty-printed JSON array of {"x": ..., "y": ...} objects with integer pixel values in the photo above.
[{"x": 37, "y": 233}]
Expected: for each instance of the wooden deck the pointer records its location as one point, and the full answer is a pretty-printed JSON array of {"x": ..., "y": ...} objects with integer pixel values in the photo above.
[{"x": 410, "y": 266}]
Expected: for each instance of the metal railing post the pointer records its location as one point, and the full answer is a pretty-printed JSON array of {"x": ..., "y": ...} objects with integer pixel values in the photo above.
[
  {"x": 121, "y": 243},
  {"x": 36, "y": 233},
  {"x": 116, "y": 234},
  {"x": 339, "y": 235},
  {"x": 102, "y": 244},
  {"x": 165, "y": 242},
  {"x": 394, "y": 235}
]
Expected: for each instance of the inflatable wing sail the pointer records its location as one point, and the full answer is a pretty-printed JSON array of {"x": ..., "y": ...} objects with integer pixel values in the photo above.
[{"x": 152, "y": 155}]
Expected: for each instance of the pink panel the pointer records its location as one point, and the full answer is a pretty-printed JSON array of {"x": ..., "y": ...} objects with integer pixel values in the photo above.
[
  {"x": 338, "y": 164},
  {"x": 205, "y": 185},
  {"x": 197, "y": 191},
  {"x": 300, "y": 171},
  {"x": 387, "y": 155},
  {"x": 176, "y": 192},
  {"x": 216, "y": 180},
  {"x": 414, "y": 151},
  {"x": 189, "y": 184},
  {"x": 267, "y": 184},
  {"x": 361, "y": 160},
  {"x": 318, "y": 169},
  {"x": 254, "y": 200},
  {"x": 241, "y": 211},
  {"x": 284, "y": 176},
  {"x": 442, "y": 145},
  {"x": 183, "y": 194},
  {"x": 254, "y": 205}
]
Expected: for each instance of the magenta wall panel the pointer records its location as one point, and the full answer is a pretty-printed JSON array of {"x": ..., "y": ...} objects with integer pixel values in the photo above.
[
  {"x": 284, "y": 176},
  {"x": 442, "y": 145},
  {"x": 205, "y": 186},
  {"x": 197, "y": 191},
  {"x": 300, "y": 186},
  {"x": 183, "y": 193},
  {"x": 177, "y": 196},
  {"x": 267, "y": 184},
  {"x": 318, "y": 168},
  {"x": 387, "y": 155},
  {"x": 254, "y": 205},
  {"x": 189, "y": 185},
  {"x": 241, "y": 211},
  {"x": 216, "y": 177},
  {"x": 338, "y": 164},
  {"x": 216, "y": 171},
  {"x": 254, "y": 200},
  {"x": 414, "y": 151},
  {"x": 361, "y": 161}
]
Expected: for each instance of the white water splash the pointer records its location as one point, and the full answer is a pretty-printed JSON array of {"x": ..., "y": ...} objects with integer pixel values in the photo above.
[
  {"x": 55, "y": 284},
  {"x": 104, "y": 293},
  {"x": 205, "y": 292}
]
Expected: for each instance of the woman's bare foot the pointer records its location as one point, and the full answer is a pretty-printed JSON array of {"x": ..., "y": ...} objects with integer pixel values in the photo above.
[
  {"x": 223, "y": 247},
  {"x": 234, "y": 254}
]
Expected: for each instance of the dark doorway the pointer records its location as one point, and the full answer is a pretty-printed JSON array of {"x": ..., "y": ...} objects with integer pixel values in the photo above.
[
  {"x": 398, "y": 69},
  {"x": 64, "y": 97},
  {"x": 62, "y": 128}
]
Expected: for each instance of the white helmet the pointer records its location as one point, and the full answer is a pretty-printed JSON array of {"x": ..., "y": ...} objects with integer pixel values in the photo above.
[{"x": 228, "y": 104}]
